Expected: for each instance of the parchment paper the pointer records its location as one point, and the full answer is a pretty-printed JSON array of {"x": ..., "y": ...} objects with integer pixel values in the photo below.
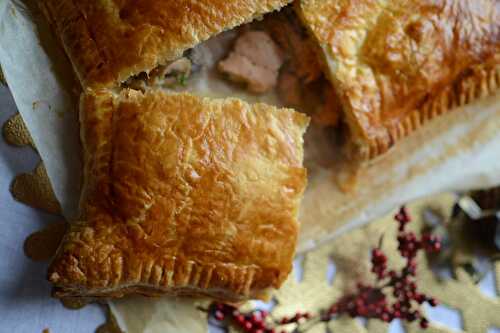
[
  {"x": 40, "y": 79},
  {"x": 458, "y": 151}
]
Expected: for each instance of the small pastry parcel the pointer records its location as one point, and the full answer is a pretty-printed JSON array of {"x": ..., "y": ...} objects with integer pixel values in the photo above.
[
  {"x": 397, "y": 64},
  {"x": 183, "y": 195}
]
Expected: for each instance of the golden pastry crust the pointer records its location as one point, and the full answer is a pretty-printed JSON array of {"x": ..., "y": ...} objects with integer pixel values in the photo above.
[
  {"x": 397, "y": 64},
  {"x": 183, "y": 195},
  {"x": 109, "y": 41}
]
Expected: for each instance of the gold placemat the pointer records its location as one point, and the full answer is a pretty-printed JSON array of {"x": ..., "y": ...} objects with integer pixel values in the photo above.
[
  {"x": 16, "y": 133},
  {"x": 351, "y": 253}
]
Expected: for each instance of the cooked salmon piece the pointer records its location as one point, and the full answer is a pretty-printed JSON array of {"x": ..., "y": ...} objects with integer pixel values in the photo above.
[
  {"x": 255, "y": 60},
  {"x": 286, "y": 29},
  {"x": 329, "y": 113},
  {"x": 290, "y": 89}
]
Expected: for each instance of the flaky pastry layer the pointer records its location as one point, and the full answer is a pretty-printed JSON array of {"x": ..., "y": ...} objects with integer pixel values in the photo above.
[
  {"x": 183, "y": 195},
  {"x": 109, "y": 41},
  {"x": 397, "y": 64}
]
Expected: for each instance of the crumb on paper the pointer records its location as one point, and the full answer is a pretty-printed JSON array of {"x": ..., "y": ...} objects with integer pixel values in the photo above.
[
  {"x": 38, "y": 104},
  {"x": 2, "y": 78}
]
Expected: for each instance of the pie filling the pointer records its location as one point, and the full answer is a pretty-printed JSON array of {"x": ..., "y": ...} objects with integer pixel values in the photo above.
[{"x": 271, "y": 60}]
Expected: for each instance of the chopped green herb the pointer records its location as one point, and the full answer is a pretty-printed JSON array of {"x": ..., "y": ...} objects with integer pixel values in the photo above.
[{"x": 182, "y": 79}]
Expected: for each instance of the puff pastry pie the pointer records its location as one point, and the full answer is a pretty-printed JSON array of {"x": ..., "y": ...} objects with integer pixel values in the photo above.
[
  {"x": 109, "y": 41},
  {"x": 183, "y": 195},
  {"x": 397, "y": 64}
]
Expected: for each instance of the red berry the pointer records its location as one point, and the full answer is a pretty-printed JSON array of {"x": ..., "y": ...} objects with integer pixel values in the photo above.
[
  {"x": 255, "y": 316},
  {"x": 248, "y": 326},
  {"x": 240, "y": 319},
  {"x": 432, "y": 302},
  {"x": 424, "y": 323},
  {"x": 403, "y": 216},
  {"x": 406, "y": 214},
  {"x": 377, "y": 254},
  {"x": 219, "y": 315},
  {"x": 385, "y": 317},
  {"x": 419, "y": 298},
  {"x": 258, "y": 323},
  {"x": 411, "y": 317}
]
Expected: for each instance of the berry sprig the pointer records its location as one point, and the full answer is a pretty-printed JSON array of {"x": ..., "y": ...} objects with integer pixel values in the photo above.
[
  {"x": 373, "y": 302},
  {"x": 369, "y": 301},
  {"x": 256, "y": 321}
]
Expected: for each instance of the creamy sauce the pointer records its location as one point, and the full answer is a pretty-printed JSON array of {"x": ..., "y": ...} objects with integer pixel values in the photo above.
[{"x": 208, "y": 82}]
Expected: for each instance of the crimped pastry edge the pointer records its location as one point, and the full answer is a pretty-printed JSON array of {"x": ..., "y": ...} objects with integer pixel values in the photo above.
[
  {"x": 160, "y": 278},
  {"x": 75, "y": 30},
  {"x": 484, "y": 82}
]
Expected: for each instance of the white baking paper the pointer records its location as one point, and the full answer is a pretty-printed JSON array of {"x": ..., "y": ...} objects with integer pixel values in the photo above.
[
  {"x": 40, "y": 79},
  {"x": 458, "y": 151}
]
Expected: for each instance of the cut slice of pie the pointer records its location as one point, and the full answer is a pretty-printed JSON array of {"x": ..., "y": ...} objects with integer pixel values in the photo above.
[
  {"x": 397, "y": 64},
  {"x": 109, "y": 41},
  {"x": 183, "y": 195}
]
